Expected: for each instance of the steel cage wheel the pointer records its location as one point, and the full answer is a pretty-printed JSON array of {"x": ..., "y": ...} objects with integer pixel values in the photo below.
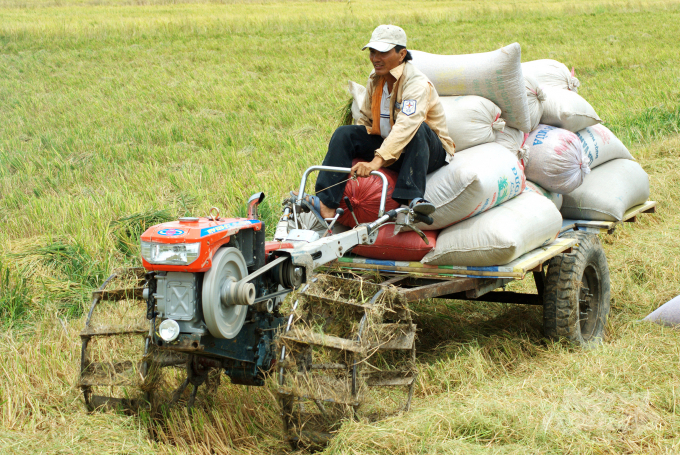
[{"x": 361, "y": 365}]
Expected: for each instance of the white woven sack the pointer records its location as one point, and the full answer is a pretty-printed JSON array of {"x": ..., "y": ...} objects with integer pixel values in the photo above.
[
  {"x": 600, "y": 145},
  {"x": 555, "y": 198},
  {"x": 667, "y": 314},
  {"x": 608, "y": 192},
  {"x": 493, "y": 75},
  {"x": 471, "y": 120},
  {"x": 475, "y": 180},
  {"x": 535, "y": 98},
  {"x": 358, "y": 93},
  {"x": 513, "y": 140},
  {"x": 551, "y": 73},
  {"x": 500, "y": 235},
  {"x": 568, "y": 110},
  {"x": 556, "y": 160}
]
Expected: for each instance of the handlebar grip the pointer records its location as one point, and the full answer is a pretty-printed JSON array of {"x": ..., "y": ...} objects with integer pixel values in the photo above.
[
  {"x": 423, "y": 219},
  {"x": 348, "y": 203}
]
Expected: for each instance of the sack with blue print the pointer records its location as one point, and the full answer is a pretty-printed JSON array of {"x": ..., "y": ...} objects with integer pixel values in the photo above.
[
  {"x": 475, "y": 180},
  {"x": 600, "y": 145},
  {"x": 500, "y": 235},
  {"x": 555, "y": 159}
]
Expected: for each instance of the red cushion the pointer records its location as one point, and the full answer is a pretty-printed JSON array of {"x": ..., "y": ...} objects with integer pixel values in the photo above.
[
  {"x": 364, "y": 195},
  {"x": 405, "y": 246}
]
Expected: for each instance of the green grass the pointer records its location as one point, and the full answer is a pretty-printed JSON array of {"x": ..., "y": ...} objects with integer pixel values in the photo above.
[
  {"x": 115, "y": 115},
  {"x": 14, "y": 300},
  {"x": 127, "y": 230}
]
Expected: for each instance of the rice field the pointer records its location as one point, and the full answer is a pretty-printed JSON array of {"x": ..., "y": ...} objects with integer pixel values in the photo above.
[{"x": 116, "y": 115}]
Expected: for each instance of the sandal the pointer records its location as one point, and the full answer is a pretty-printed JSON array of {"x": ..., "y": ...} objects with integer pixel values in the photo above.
[
  {"x": 293, "y": 200},
  {"x": 313, "y": 204},
  {"x": 421, "y": 206}
]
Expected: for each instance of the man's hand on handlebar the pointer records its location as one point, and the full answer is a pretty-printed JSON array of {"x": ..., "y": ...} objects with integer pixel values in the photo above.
[{"x": 364, "y": 169}]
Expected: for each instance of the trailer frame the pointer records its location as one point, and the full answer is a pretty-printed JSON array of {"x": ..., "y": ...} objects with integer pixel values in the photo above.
[{"x": 416, "y": 281}]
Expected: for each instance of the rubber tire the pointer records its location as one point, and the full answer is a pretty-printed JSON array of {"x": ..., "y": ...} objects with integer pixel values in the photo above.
[{"x": 564, "y": 280}]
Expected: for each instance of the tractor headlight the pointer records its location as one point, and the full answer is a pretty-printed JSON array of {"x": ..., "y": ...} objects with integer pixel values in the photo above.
[
  {"x": 170, "y": 253},
  {"x": 168, "y": 330}
]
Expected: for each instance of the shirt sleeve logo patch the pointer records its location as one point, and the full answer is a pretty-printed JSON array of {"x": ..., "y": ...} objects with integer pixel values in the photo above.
[{"x": 409, "y": 107}]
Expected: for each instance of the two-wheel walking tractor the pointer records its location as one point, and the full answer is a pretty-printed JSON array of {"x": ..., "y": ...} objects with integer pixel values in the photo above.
[{"x": 210, "y": 299}]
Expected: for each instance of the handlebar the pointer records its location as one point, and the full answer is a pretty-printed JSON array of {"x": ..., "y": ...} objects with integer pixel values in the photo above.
[{"x": 344, "y": 170}]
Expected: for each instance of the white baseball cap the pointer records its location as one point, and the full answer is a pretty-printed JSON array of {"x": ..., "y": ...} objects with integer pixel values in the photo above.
[{"x": 385, "y": 37}]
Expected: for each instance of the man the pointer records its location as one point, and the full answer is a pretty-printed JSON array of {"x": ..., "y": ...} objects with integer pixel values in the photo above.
[{"x": 402, "y": 127}]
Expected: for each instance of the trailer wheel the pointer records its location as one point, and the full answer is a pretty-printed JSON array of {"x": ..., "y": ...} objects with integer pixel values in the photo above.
[{"x": 577, "y": 293}]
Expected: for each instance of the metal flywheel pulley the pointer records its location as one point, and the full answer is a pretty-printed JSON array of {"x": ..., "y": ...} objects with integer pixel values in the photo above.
[{"x": 222, "y": 294}]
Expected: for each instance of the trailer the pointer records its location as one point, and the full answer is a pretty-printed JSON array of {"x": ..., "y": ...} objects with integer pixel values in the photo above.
[
  {"x": 572, "y": 283},
  {"x": 586, "y": 268}
]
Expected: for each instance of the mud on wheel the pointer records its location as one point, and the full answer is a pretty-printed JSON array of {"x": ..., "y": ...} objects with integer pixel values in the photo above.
[
  {"x": 112, "y": 364},
  {"x": 577, "y": 293},
  {"x": 119, "y": 368},
  {"x": 347, "y": 352}
]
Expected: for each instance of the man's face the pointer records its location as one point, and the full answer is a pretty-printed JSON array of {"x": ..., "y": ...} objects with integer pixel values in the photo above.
[{"x": 383, "y": 62}]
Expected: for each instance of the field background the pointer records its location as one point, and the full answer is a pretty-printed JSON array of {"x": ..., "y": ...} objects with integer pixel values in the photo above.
[{"x": 117, "y": 114}]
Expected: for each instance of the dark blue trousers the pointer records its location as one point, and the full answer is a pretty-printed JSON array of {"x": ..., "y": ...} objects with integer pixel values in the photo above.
[{"x": 423, "y": 155}]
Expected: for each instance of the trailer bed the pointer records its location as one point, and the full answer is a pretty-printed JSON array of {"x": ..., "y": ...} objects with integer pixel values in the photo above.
[
  {"x": 601, "y": 227},
  {"x": 420, "y": 281},
  {"x": 516, "y": 269}
]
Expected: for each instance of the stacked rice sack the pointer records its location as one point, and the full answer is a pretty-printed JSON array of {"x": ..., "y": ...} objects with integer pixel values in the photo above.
[
  {"x": 526, "y": 143},
  {"x": 572, "y": 154}
]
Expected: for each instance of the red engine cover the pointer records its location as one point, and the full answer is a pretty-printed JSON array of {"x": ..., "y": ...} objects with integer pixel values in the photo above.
[{"x": 210, "y": 234}]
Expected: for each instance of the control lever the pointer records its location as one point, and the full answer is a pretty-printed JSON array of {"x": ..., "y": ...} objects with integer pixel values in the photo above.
[
  {"x": 421, "y": 234},
  {"x": 420, "y": 218},
  {"x": 351, "y": 209},
  {"x": 338, "y": 213},
  {"x": 411, "y": 219}
]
